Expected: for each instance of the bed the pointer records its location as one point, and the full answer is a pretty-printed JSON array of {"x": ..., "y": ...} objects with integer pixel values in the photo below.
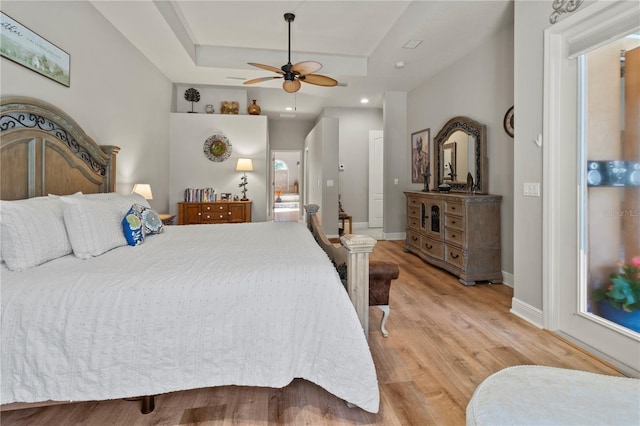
[{"x": 255, "y": 304}]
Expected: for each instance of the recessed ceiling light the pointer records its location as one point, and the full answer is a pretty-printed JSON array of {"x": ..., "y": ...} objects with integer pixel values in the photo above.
[
  {"x": 412, "y": 44},
  {"x": 399, "y": 65},
  {"x": 289, "y": 109},
  {"x": 364, "y": 101}
]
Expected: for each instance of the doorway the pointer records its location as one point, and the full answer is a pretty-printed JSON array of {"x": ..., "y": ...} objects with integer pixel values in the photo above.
[{"x": 286, "y": 185}]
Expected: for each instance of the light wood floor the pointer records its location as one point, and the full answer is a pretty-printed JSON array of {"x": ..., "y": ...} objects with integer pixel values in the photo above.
[{"x": 444, "y": 339}]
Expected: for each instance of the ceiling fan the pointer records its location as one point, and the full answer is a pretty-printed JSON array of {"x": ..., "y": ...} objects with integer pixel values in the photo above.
[{"x": 294, "y": 74}]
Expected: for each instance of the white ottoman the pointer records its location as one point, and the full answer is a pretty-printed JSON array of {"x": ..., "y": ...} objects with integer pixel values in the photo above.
[{"x": 536, "y": 395}]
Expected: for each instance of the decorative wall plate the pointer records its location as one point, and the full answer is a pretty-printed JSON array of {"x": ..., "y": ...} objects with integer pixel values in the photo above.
[
  {"x": 217, "y": 147},
  {"x": 508, "y": 122}
]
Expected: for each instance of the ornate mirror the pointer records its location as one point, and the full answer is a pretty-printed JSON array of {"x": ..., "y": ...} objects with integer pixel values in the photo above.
[{"x": 461, "y": 148}]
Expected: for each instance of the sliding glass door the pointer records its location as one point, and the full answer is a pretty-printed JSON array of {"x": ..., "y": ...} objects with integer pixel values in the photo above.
[{"x": 592, "y": 203}]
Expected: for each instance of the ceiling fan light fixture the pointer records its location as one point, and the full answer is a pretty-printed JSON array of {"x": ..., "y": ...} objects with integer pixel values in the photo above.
[
  {"x": 291, "y": 86},
  {"x": 294, "y": 74}
]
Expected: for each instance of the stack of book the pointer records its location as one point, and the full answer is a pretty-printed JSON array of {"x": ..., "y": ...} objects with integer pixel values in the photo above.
[{"x": 199, "y": 195}]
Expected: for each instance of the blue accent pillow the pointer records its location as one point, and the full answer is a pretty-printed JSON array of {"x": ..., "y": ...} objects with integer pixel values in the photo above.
[
  {"x": 132, "y": 227},
  {"x": 151, "y": 223}
]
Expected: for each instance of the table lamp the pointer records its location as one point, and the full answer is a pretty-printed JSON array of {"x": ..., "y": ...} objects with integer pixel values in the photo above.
[
  {"x": 244, "y": 165},
  {"x": 143, "y": 189}
]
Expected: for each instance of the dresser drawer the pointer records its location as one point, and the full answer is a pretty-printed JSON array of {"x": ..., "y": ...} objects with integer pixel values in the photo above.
[
  {"x": 453, "y": 207},
  {"x": 433, "y": 247},
  {"x": 413, "y": 222},
  {"x": 414, "y": 202},
  {"x": 214, "y": 217},
  {"x": 414, "y": 212},
  {"x": 413, "y": 239},
  {"x": 455, "y": 236},
  {"x": 454, "y": 256},
  {"x": 455, "y": 222},
  {"x": 214, "y": 208}
]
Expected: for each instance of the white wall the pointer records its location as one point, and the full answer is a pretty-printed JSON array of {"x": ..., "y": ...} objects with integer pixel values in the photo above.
[
  {"x": 116, "y": 94},
  {"x": 353, "y": 152},
  {"x": 321, "y": 153},
  {"x": 190, "y": 168},
  {"x": 397, "y": 174},
  {"x": 288, "y": 134},
  {"x": 531, "y": 18},
  {"x": 479, "y": 86}
]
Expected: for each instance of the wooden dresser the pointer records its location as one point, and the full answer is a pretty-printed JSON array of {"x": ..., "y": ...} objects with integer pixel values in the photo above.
[
  {"x": 214, "y": 212},
  {"x": 458, "y": 232}
]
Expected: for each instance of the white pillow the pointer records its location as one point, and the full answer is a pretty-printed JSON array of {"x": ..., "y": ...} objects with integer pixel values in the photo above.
[
  {"x": 94, "y": 225},
  {"x": 33, "y": 232},
  {"x": 127, "y": 200}
]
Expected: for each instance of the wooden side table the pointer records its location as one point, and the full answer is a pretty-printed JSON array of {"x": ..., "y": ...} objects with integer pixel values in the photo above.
[
  {"x": 345, "y": 217},
  {"x": 167, "y": 219}
]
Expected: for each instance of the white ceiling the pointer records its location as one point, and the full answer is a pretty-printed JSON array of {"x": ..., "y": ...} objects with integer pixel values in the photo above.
[{"x": 208, "y": 43}]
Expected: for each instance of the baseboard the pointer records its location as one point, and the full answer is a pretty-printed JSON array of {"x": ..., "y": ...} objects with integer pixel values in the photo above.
[
  {"x": 394, "y": 236},
  {"x": 527, "y": 312},
  {"x": 507, "y": 279}
]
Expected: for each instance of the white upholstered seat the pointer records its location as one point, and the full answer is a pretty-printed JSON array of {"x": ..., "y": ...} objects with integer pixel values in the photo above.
[{"x": 537, "y": 395}]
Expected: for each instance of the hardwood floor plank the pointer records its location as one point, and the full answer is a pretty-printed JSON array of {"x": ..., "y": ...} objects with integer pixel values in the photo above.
[{"x": 444, "y": 339}]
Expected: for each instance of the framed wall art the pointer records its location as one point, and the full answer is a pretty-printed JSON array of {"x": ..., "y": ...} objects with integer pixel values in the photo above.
[
  {"x": 420, "y": 156},
  {"x": 24, "y": 47}
]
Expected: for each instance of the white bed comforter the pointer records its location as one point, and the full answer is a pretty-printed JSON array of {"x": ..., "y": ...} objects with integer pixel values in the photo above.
[{"x": 255, "y": 304}]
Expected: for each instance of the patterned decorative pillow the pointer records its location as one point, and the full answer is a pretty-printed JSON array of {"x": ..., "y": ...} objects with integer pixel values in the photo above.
[
  {"x": 132, "y": 227},
  {"x": 151, "y": 223}
]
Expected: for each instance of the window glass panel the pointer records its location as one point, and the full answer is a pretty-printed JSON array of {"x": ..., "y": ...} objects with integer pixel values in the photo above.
[{"x": 611, "y": 178}]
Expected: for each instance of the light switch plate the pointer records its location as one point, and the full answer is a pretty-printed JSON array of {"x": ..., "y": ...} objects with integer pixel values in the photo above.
[{"x": 531, "y": 189}]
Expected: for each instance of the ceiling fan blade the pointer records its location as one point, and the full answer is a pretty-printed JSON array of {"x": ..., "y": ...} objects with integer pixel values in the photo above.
[
  {"x": 259, "y": 80},
  {"x": 267, "y": 67},
  {"x": 306, "y": 67},
  {"x": 291, "y": 86},
  {"x": 320, "y": 80}
]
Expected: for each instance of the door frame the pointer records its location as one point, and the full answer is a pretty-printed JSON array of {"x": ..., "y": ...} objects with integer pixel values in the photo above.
[
  {"x": 562, "y": 257},
  {"x": 272, "y": 183}
]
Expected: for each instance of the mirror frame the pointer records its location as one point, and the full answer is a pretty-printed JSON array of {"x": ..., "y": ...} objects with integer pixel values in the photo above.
[{"x": 472, "y": 128}]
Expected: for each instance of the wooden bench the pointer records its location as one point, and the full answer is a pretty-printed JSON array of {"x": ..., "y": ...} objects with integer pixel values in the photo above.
[{"x": 380, "y": 276}]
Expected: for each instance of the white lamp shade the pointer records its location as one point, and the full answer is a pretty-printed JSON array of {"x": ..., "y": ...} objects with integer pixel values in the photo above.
[
  {"x": 244, "y": 165},
  {"x": 143, "y": 189}
]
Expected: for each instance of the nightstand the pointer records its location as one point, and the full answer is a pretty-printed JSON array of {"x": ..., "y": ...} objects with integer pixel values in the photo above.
[{"x": 167, "y": 219}]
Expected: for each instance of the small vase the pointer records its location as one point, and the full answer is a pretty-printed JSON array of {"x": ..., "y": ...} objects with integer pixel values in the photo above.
[
  {"x": 254, "y": 108},
  {"x": 630, "y": 320}
]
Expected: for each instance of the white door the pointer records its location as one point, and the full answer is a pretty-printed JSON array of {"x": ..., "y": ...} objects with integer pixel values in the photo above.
[
  {"x": 567, "y": 306},
  {"x": 376, "y": 185}
]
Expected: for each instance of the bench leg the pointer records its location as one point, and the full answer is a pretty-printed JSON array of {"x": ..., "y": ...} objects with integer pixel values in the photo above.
[
  {"x": 147, "y": 404},
  {"x": 385, "y": 317}
]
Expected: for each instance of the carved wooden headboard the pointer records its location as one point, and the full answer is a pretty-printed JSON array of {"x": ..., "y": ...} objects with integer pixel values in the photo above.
[{"x": 44, "y": 151}]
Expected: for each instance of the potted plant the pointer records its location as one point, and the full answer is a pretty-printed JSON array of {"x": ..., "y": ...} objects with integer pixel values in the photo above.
[{"x": 620, "y": 302}]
